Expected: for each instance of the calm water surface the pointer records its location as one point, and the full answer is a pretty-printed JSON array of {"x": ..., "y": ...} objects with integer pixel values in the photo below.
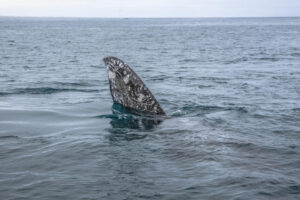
[{"x": 230, "y": 86}]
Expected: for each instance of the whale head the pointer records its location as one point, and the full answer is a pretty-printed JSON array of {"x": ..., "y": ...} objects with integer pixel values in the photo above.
[
  {"x": 113, "y": 63},
  {"x": 128, "y": 89}
]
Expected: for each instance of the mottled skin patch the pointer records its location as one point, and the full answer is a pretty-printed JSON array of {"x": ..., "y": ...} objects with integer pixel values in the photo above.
[{"x": 128, "y": 89}]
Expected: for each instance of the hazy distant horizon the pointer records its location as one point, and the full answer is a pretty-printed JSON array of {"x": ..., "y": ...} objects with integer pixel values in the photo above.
[
  {"x": 83, "y": 17},
  {"x": 150, "y": 9}
]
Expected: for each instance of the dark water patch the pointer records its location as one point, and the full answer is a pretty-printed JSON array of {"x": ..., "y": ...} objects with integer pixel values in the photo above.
[
  {"x": 210, "y": 78},
  {"x": 44, "y": 90},
  {"x": 7, "y": 137},
  {"x": 238, "y": 109},
  {"x": 73, "y": 61},
  {"x": 4, "y": 93},
  {"x": 164, "y": 52},
  {"x": 74, "y": 84},
  {"x": 121, "y": 134},
  {"x": 96, "y": 66},
  {"x": 282, "y": 131},
  {"x": 159, "y": 78},
  {"x": 279, "y": 77},
  {"x": 272, "y": 59},
  {"x": 205, "y": 86},
  {"x": 148, "y": 61},
  {"x": 247, "y": 86},
  {"x": 221, "y": 82},
  {"x": 295, "y": 54},
  {"x": 293, "y": 146},
  {"x": 237, "y": 60},
  {"x": 296, "y": 110},
  {"x": 294, "y": 189},
  {"x": 26, "y": 67},
  {"x": 143, "y": 48},
  {"x": 280, "y": 191},
  {"x": 188, "y": 60}
]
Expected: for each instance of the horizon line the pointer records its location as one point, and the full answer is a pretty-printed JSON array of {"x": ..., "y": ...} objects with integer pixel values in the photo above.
[{"x": 131, "y": 17}]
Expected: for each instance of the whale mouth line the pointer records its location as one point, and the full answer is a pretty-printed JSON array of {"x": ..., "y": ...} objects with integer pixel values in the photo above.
[
  {"x": 113, "y": 69},
  {"x": 110, "y": 67}
]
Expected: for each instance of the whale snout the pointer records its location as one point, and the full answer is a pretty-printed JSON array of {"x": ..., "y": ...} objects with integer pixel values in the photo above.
[
  {"x": 113, "y": 63},
  {"x": 106, "y": 60}
]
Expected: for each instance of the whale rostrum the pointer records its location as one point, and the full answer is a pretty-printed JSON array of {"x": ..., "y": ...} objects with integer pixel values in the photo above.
[{"x": 128, "y": 89}]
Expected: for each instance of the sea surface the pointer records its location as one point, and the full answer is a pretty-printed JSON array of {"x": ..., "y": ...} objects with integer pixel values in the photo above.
[{"x": 230, "y": 86}]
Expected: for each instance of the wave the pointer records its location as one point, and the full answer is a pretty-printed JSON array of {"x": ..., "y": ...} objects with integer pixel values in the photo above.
[{"x": 199, "y": 110}]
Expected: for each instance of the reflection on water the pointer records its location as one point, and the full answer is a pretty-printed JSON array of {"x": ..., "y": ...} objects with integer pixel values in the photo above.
[
  {"x": 125, "y": 119},
  {"x": 128, "y": 125}
]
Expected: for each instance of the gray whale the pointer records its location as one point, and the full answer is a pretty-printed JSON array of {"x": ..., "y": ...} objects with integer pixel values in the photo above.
[{"x": 128, "y": 89}]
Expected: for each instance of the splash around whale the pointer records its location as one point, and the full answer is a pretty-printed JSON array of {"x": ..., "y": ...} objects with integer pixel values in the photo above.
[{"x": 128, "y": 89}]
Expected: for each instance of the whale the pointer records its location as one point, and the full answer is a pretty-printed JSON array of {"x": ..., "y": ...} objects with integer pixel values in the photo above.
[{"x": 128, "y": 89}]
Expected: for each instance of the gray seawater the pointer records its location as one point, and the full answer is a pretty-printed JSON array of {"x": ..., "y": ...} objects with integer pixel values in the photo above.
[{"x": 230, "y": 86}]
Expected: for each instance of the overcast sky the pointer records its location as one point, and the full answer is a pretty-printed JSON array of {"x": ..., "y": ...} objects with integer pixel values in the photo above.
[{"x": 150, "y": 8}]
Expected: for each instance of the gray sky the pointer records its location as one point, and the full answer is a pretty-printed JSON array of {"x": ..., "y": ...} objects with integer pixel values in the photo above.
[{"x": 150, "y": 8}]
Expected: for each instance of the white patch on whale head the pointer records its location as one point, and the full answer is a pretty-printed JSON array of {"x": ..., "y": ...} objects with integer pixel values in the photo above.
[
  {"x": 126, "y": 79},
  {"x": 111, "y": 74},
  {"x": 141, "y": 96}
]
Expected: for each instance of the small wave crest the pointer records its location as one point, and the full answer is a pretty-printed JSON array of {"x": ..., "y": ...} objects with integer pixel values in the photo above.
[{"x": 199, "y": 110}]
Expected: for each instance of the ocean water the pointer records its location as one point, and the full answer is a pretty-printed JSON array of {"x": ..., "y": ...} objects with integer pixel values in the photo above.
[{"x": 231, "y": 89}]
